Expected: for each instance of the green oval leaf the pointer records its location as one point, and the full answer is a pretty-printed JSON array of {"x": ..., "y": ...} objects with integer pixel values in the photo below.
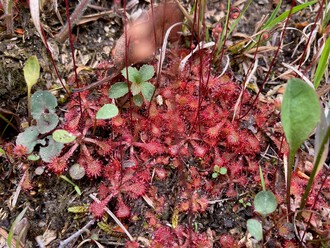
[
  {"x": 118, "y": 90},
  {"x": 138, "y": 100},
  {"x": 255, "y": 228},
  {"x": 265, "y": 202},
  {"x": 107, "y": 111},
  {"x": 300, "y": 112},
  {"x": 63, "y": 136},
  {"x": 215, "y": 175},
  {"x": 148, "y": 90},
  {"x": 146, "y": 72},
  {"x": 223, "y": 171},
  {"x": 33, "y": 157},
  {"x": 31, "y": 71}
]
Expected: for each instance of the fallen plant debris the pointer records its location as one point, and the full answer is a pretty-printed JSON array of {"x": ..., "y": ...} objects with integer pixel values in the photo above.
[{"x": 191, "y": 154}]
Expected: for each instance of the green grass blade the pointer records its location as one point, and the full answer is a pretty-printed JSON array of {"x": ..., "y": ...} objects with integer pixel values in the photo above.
[
  {"x": 323, "y": 64},
  {"x": 12, "y": 228},
  {"x": 286, "y": 14},
  {"x": 314, "y": 171},
  {"x": 8, "y": 124},
  {"x": 326, "y": 19},
  {"x": 273, "y": 15}
]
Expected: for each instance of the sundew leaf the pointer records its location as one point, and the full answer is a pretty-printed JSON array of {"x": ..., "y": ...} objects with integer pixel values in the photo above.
[
  {"x": 31, "y": 71},
  {"x": 133, "y": 74},
  {"x": 300, "y": 112},
  {"x": 63, "y": 136},
  {"x": 118, "y": 90},
  {"x": 146, "y": 72},
  {"x": 42, "y": 102},
  {"x": 255, "y": 228},
  {"x": 323, "y": 64},
  {"x": 265, "y": 202},
  {"x": 148, "y": 90},
  {"x": 107, "y": 111}
]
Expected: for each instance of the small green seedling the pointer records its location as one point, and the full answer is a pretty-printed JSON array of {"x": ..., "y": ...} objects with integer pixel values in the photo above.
[
  {"x": 217, "y": 170},
  {"x": 244, "y": 203},
  {"x": 139, "y": 87},
  {"x": 264, "y": 203},
  {"x": 31, "y": 71},
  {"x": 76, "y": 188}
]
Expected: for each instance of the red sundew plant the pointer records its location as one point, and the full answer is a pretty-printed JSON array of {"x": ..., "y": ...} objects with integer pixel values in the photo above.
[{"x": 166, "y": 131}]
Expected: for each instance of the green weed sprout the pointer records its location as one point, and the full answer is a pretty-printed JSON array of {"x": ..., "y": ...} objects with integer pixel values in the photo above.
[
  {"x": 264, "y": 203},
  {"x": 31, "y": 71},
  {"x": 139, "y": 87}
]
